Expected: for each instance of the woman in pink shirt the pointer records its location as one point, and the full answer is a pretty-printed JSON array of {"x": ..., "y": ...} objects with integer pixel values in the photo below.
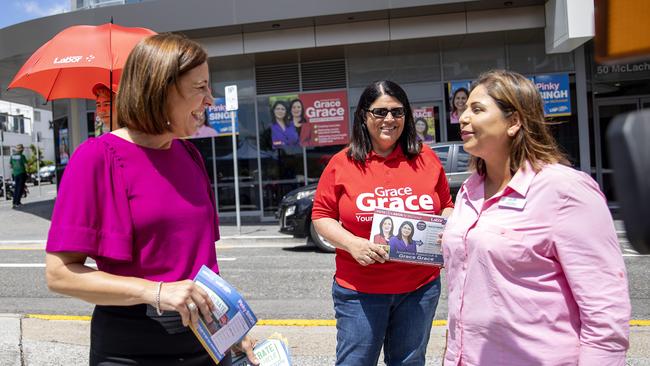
[
  {"x": 138, "y": 201},
  {"x": 534, "y": 269}
]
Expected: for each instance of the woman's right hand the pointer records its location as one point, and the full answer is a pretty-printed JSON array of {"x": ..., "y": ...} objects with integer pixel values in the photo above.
[
  {"x": 366, "y": 253},
  {"x": 188, "y": 299}
]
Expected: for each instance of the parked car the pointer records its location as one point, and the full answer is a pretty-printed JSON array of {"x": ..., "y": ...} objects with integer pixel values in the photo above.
[
  {"x": 47, "y": 174},
  {"x": 294, "y": 210}
]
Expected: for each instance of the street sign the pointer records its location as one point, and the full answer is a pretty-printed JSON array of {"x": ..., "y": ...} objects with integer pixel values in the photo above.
[{"x": 231, "y": 98}]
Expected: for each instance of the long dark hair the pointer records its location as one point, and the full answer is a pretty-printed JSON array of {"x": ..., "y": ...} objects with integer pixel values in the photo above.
[
  {"x": 361, "y": 145},
  {"x": 302, "y": 111},
  {"x": 286, "y": 113},
  {"x": 410, "y": 237},
  {"x": 381, "y": 227}
]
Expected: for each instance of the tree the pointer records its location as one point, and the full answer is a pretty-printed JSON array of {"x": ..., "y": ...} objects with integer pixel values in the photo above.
[{"x": 32, "y": 165}]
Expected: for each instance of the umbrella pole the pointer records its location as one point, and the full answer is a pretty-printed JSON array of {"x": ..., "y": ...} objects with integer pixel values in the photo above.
[
  {"x": 110, "y": 113},
  {"x": 110, "y": 73}
]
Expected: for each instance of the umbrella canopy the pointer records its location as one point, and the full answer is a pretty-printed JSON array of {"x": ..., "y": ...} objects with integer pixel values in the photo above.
[{"x": 77, "y": 58}]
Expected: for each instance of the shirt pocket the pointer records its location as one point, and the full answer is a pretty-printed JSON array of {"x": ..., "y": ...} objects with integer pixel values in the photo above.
[{"x": 502, "y": 248}]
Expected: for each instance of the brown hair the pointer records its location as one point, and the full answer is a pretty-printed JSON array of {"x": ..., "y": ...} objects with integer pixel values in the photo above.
[
  {"x": 153, "y": 66},
  {"x": 533, "y": 142}
]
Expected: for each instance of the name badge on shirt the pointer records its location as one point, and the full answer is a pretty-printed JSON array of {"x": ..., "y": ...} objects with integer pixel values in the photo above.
[{"x": 512, "y": 202}]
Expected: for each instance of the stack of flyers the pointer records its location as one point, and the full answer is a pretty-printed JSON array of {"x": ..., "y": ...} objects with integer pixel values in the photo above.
[
  {"x": 272, "y": 351},
  {"x": 232, "y": 318},
  {"x": 410, "y": 237}
]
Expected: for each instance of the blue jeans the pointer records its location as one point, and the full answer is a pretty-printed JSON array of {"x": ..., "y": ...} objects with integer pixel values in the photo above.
[{"x": 401, "y": 323}]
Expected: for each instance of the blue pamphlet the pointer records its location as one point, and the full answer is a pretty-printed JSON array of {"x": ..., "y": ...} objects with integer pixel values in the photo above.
[{"x": 231, "y": 319}]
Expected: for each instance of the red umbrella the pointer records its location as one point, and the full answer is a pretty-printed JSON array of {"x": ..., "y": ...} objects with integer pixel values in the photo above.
[{"x": 77, "y": 58}]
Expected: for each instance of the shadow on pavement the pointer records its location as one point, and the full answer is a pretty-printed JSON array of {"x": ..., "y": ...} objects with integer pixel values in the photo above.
[
  {"x": 42, "y": 209},
  {"x": 304, "y": 248}
]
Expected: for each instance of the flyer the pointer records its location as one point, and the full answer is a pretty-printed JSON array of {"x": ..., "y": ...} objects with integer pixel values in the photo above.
[
  {"x": 231, "y": 319},
  {"x": 408, "y": 236}
]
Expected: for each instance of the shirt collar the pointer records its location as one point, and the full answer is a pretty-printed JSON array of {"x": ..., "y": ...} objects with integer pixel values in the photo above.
[
  {"x": 521, "y": 181},
  {"x": 397, "y": 153}
]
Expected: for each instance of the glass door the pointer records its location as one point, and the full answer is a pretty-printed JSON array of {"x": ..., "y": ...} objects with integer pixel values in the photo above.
[{"x": 606, "y": 110}]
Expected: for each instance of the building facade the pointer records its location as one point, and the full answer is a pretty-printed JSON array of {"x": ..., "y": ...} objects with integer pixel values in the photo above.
[{"x": 325, "y": 53}]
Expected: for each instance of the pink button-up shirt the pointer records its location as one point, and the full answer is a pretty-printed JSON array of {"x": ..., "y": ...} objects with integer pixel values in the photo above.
[{"x": 535, "y": 274}]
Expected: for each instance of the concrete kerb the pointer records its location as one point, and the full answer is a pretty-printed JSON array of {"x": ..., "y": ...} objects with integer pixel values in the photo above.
[
  {"x": 10, "y": 339},
  {"x": 33, "y": 340}
]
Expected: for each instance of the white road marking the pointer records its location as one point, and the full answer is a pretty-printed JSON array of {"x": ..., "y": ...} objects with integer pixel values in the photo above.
[{"x": 93, "y": 265}]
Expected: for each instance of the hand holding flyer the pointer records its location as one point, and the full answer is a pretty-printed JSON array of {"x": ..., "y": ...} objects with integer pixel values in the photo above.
[
  {"x": 273, "y": 351},
  {"x": 409, "y": 236},
  {"x": 232, "y": 318}
]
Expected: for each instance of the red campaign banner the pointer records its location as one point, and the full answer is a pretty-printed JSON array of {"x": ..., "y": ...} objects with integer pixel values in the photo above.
[{"x": 327, "y": 119}]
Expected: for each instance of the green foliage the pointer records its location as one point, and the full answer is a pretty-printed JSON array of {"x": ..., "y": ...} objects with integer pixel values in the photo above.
[{"x": 31, "y": 160}]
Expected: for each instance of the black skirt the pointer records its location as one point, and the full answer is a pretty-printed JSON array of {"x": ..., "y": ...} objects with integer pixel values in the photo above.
[{"x": 136, "y": 335}]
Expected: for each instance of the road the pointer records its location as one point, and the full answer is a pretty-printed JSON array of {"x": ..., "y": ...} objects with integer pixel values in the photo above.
[{"x": 280, "y": 281}]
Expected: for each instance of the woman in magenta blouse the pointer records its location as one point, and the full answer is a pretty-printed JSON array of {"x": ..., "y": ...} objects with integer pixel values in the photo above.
[
  {"x": 138, "y": 201},
  {"x": 534, "y": 270}
]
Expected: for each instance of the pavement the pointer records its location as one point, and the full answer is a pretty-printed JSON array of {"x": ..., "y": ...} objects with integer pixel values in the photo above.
[{"x": 28, "y": 339}]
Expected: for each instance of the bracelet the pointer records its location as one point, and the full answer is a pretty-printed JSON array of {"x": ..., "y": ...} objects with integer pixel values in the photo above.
[{"x": 158, "y": 311}]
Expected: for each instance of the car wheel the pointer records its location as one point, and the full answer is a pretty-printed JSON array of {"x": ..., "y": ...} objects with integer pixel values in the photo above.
[{"x": 320, "y": 242}]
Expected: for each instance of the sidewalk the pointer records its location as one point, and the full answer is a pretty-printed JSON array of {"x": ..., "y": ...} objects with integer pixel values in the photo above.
[
  {"x": 30, "y": 223},
  {"x": 31, "y": 342}
]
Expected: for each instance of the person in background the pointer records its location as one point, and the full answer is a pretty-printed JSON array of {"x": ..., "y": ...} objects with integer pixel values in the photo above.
[
  {"x": 421, "y": 130},
  {"x": 534, "y": 269},
  {"x": 458, "y": 104},
  {"x": 385, "y": 231},
  {"x": 283, "y": 133},
  {"x": 105, "y": 100},
  {"x": 378, "y": 302},
  {"x": 139, "y": 202},
  {"x": 18, "y": 164},
  {"x": 403, "y": 241}
]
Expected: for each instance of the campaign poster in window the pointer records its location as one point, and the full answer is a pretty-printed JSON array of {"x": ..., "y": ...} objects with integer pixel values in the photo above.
[
  {"x": 326, "y": 117},
  {"x": 219, "y": 119},
  {"x": 425, "y": 127},
  {"x": 458, "y": 92},
  {"x": 555, "y": 94}
]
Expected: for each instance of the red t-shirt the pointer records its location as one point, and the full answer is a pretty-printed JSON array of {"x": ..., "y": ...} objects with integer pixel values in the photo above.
[{"x": 349, "y": 192}]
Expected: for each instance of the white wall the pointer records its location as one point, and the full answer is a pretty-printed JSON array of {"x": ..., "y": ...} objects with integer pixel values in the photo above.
[{"x": 32, "y": 126}]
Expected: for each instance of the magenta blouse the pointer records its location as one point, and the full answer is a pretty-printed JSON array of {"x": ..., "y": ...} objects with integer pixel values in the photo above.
[{"x": 137, "y": 211}]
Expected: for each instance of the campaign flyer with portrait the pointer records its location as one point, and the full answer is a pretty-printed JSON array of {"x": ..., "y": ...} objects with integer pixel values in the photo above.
[
  {"x": 231, "y": 320},
  {"x": 409, "y": 236}
]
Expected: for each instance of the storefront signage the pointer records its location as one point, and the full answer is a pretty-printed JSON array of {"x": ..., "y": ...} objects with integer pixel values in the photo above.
[
  {"x": 309, "y": 119},
  {"x": 219, "y": 118},
  {"x": 555, "y": 93}
]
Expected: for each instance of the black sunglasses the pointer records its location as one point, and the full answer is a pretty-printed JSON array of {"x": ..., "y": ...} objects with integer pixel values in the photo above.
[{"x": 383, "y": 112}]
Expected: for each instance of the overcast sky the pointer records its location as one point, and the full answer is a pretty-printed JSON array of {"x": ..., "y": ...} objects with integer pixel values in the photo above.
[{"x": 17, "y": 11}]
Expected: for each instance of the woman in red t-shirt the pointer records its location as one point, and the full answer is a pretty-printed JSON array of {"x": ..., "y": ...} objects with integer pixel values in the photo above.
[{"x": 378, "y": 302}]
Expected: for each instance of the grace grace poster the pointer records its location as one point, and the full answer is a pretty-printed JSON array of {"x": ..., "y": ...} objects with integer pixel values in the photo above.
[{"x": 315, "y": 119}]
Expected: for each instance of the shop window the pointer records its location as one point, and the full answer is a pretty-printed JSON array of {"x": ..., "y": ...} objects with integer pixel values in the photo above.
[
  {"x": 411, "y": 61},
  {"x": 527, "y": 54},
  {"x": 465, "y": 57}
]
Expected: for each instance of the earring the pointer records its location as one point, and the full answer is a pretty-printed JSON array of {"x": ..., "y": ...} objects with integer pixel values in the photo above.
[{"x": 169, "y": 123}]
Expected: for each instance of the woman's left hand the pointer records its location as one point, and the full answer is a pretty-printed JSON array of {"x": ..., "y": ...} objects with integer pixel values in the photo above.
[{"x": 247, "y": 345}]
